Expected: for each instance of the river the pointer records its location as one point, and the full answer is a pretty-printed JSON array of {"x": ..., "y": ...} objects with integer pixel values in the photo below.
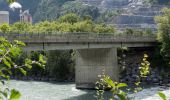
[{"x": 33, "y": 90}]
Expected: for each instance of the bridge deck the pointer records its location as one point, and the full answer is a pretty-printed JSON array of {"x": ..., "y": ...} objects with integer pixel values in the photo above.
[{"x": 79, "y": 38}]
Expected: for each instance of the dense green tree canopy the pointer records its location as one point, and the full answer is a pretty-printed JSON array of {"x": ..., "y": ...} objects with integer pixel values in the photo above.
[
  {"x": 80, "y": 9},
  {"x": 163, "y": 23},
  {"x": 69, "y": 18},
  {"x": 67, "y": 23},
  {"x": 48, "y": 9}
]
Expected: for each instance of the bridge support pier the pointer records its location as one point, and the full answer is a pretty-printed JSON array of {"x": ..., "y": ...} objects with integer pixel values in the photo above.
[{"x": 91, "y": 62}]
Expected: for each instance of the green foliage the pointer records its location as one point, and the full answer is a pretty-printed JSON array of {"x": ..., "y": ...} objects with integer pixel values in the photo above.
[
  {"x": 115, "y": 88},
  {"x": 100, "y": 87},
  {"x": 15, "y": 95},
  {"x": 44, "y": 27},
  {"x": 80, "y": 9},
  {"x": 83, "y": 26},
  {"x": 9, "y": 52},
  {"x": 5, "y": 28},
  {"x": 106, "y": 83},
  {"x": 34, "y": 61},
  {"x": 60, "y": 64},
  {"x": 53, "y": 9},
  {"x": 144, "y": 71},
  {"x": 65, "y": 27},
  {"x": 162, "y": 95},
  {"x": 7, "y": 94},
  {"x": 7, "y": 64},
  {"x": 102, "y": 28},
  {"x": 48, "y": 9},
  {"x": 59, "y": 67},
  {"x": 23, "y": 71},
  {"x": 20, "y": 27},
  {"x": 10, "y": 1},
  {"x": 67, "y": 23},
  {"x": 148, "y": 31},
  {"x": 163, "y": 23},
  {"x": 69, "y": 18},
  {"x": 129, "y": 31},
  {"x": 145, "y": 65}
]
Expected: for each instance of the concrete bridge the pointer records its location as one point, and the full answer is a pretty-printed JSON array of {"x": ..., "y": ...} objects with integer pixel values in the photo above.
[{"x": 95, "y": 52}]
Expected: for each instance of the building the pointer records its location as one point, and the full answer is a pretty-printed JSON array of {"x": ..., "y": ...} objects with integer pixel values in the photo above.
[
  {"x": 4, "y": 17},
  {"x": 25, "y": 16}
]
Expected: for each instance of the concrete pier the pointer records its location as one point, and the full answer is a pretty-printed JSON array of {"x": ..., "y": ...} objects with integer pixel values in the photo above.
[{"x": 91, "y": 62}]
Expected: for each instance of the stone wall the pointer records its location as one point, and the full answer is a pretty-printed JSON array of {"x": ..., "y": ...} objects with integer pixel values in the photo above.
[{"x": 132, "y": 61}]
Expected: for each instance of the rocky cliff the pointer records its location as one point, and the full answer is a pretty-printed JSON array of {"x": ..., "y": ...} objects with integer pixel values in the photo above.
[{"x": 133, "y": 13}]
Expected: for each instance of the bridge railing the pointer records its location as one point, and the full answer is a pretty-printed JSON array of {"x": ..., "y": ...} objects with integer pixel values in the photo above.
[{"x": 79, "y": 37}]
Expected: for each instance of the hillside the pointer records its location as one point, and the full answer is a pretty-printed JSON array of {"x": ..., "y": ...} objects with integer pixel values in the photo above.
[
  {"x": 122, "y": 13},
  {"x": 137, "y": 14}
]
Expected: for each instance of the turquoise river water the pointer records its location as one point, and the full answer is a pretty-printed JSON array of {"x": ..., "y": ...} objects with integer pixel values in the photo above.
[{"x": 32, "y": 90}]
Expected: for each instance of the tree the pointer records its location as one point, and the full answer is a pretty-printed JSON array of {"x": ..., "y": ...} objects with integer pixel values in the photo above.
[
  {"x": 10, "y": 51},
  {"x": 163, "y": 23},
  {"x": 20, "y": 27},
  {"x": 65, "y": 27},
  {"x": 5, "y": 28},
  {"x": 83, "y": 26},
  {"x": 67, "y": 23},
  {"x": 48, "y": 9},
  {"x": 69, "y": 18},
  {"x": 80, "y": 9},
  {"x": 102, "y": 28}
]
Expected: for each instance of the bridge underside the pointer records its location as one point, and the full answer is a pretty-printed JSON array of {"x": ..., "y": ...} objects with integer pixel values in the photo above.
[
  {"x": 91, "y": 63},
  {"x": 95, "y": 52},
  {"x": 67, "y": 46},
  {"x": 92, "y": 59}
]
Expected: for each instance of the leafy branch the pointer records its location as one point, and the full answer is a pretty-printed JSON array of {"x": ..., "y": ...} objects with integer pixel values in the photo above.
[{"x": 9, "y": 52}]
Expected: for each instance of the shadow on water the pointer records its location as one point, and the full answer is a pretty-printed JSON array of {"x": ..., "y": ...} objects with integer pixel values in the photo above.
[{"x": 89, "y": 94}]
